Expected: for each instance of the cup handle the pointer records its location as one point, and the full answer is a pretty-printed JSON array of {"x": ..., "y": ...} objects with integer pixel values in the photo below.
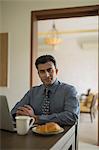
[{"x": 31, "y": 122}]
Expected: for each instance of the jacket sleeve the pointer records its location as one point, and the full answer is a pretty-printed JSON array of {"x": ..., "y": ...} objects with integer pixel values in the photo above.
[{"x": 22, "y": 102}]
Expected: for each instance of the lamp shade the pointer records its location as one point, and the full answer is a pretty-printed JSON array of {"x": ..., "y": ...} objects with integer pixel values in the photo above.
[{"x": 52, "y": 37}]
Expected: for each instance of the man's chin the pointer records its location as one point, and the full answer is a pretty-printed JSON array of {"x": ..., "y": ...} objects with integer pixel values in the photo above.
[{"x": 48, "y": 83}]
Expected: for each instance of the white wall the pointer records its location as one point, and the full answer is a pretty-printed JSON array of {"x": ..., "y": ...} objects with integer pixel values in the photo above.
[
  {"x": 16, "y": 21},
  {"x": 77, "y": 55},
  {"x": 77, "y": 66}
]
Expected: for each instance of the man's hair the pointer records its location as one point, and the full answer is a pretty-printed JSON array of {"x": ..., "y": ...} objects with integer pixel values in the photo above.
[{"x": 44, "y": 59}]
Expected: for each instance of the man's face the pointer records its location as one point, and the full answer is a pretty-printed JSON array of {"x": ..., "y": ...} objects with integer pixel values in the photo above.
[{"x": 47, "y": 73}]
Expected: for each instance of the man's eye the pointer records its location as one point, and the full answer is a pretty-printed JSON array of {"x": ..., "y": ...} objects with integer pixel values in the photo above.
[
  {"x": 49, "y": 70},
  {"x": 41, "y": 71}
]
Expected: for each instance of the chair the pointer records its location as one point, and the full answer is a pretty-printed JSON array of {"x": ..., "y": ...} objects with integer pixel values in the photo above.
[
  {"x": 89, "y": 105},
  {"x": 87, "y": 93}
]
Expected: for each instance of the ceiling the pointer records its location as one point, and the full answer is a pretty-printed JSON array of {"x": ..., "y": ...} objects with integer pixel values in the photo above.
[
  {"x": 69, "y": 25},
  {"x": 84, "y": 29}
]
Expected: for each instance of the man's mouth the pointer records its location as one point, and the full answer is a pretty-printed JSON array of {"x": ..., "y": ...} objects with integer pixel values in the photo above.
[{"x": 48, "y": 79}]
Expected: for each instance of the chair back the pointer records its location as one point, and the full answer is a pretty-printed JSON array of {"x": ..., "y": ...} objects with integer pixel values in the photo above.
[
  {"x": 89, "y": 99},
  {"x": 94, "y": 100}
]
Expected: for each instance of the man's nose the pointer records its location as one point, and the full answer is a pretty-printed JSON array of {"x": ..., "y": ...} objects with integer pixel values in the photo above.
[{"x": 47, "y": 74}]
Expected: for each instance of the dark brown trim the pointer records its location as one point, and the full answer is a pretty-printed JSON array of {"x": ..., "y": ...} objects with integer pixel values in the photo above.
[
  {"x": 67, "y": 12},
  {"x": 31, "y": 51}
]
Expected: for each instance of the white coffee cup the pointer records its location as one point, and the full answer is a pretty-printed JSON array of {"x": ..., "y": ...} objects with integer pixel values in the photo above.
[{"x": 23, "y": 124}]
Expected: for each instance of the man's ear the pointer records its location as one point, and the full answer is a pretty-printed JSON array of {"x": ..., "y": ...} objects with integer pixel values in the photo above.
[{"x": 56, "y": 70}]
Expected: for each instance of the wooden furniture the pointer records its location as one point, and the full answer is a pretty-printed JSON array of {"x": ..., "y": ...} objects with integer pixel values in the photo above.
[
  {"x": 34, "y": 141},
  {"x": 89, "y": 106},
  {"x": 3, "y": 59},
  {"x": 85, "y": 94}
]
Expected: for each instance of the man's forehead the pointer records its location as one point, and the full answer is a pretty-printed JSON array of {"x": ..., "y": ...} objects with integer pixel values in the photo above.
[{"x": 46, "y": 65}]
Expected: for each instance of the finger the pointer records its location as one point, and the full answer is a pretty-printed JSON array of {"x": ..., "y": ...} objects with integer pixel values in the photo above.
[
  {"x": 22, "y": 110},
  {"x": 28, "y": 106},
  {"x": 19, "y": 112},
  {"x": 30, "y": 109},
  {"x": 25, "y": 110}
]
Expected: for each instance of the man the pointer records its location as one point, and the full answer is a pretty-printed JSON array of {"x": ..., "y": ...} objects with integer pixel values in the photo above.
[{"x": 59, "y": 104}]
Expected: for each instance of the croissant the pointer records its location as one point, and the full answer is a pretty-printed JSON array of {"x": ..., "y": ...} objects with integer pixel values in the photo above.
[{"x": 48, "y": 127}]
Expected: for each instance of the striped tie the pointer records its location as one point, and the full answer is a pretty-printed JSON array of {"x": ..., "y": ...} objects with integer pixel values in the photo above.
[{"x": 46, "y": 103}]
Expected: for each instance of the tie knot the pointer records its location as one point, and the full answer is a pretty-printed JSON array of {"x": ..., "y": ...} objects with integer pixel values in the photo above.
[{"x": 47, "y": 92}]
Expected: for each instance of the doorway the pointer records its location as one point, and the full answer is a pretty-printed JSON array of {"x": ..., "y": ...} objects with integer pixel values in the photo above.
[{"x": 54, "y": 14}]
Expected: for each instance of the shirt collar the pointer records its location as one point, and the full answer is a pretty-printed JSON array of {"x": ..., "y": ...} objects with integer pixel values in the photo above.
[{"x": 53, "y": 87}]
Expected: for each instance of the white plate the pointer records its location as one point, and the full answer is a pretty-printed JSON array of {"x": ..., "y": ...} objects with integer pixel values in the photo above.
[{"x": 48, "y": 133}]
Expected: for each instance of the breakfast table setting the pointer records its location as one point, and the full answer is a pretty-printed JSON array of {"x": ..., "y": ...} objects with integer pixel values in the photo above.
[{"x": 49, "y": 136}]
